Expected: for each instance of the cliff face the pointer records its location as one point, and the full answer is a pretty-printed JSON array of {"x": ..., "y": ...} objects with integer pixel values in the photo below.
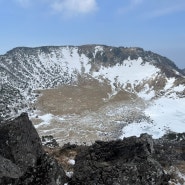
[{"x": 22, "y": 159}]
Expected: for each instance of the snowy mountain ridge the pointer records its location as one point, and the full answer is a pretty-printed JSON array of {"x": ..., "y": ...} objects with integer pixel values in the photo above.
[
  {"x": 145, "y": 74},
  {"x": 27, "y": 69}
]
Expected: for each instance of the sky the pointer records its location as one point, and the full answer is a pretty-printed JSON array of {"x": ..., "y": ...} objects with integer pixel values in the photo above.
[{"x": 155, "y": 25}]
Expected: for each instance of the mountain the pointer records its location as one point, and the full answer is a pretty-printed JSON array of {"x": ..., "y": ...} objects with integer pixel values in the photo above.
[
  {"x": 108, "y": 75},
  {"x": 183, "y": 70}
]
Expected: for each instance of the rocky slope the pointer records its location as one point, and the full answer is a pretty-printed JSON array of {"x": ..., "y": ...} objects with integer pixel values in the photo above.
[
  {"x": 132, "y": 160},
  {"x": 25, "y": 69},
  {"x": 120, "y": 162},
  {"x": 129, "y": 161}
]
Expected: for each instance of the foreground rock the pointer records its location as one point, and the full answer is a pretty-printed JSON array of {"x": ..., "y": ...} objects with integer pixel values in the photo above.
[
  {"x": 22, "y": 159},
  {"x": 132, "y": 161},
  {"x": 119, "y": 162}
]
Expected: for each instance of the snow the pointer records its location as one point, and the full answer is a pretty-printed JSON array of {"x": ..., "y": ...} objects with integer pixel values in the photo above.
[
  {"x": 166, "y": 114},
  {"x": 46, "y": 117},
  {"x": 169, "y": 84},
  {"x": 69, "y": 174},
  {"x": 98, "y": 48},
  {"x": 146, "y": 93},
  {"x": 46, "y": 120},
  {"x": 131, "y": 71},
  {"x": 71, "y": 161},
  {"x": 179, "y": 88}
]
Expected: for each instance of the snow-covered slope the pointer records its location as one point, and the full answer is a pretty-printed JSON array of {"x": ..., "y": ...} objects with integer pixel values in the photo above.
[{"x": 147, "y": 75}]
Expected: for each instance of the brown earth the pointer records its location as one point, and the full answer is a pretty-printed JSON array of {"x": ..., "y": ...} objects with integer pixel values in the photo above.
[
  {"x": 86, "y": 96},
  {"x": 88, "y": 110}
]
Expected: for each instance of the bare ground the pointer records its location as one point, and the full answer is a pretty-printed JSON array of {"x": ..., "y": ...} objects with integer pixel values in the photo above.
[{"x": 84, "y": 113}]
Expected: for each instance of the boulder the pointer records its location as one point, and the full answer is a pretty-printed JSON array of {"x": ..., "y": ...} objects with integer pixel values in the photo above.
[
  {"x": 22, "y": 158},
  {"x": 120, "y": 162}
]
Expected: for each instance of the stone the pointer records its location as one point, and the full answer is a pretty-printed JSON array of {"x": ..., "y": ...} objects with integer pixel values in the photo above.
[
  {"x": 22, "y": 158},
  {"x": 120, "y": 162}
]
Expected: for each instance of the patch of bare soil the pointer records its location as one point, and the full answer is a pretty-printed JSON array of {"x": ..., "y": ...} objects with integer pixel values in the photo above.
[
  {"x": 73, "y": 99},
  {"x": 63, "y": 156}
]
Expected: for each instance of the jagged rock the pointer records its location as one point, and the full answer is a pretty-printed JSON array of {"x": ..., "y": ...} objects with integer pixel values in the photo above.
[
  {"x": 49, "y": 141},
  {"x": 22, "y": 159},
  {"x": 183, "y": 70},
  {"x": 132, "y": 161},
  {"x": 121, "y": 162}
]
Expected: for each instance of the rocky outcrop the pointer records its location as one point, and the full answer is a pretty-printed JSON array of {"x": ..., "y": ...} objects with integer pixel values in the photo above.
[
  {"x": 49, "y": 141},
  {"x": 22, "y": 159},
  {"x": 131, "y": 161},
  {"x": 127, "y": 161}
]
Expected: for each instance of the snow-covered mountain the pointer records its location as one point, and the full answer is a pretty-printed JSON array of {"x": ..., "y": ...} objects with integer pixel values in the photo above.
[{"x": 142, "y": 73}]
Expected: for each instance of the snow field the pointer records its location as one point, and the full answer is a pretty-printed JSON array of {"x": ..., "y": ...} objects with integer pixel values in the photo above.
[{"x": 167, "y": 114}]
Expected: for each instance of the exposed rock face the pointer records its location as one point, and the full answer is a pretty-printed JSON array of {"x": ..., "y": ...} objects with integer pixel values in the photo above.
[
  {"x": 22, "y": 159},
  {"x": 119, "y": 162}
]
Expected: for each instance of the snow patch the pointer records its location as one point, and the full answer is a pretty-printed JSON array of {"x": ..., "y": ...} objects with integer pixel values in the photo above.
[
  {"x": 166, "y": 114},
  {"x": 131, "y": 71},
  {"x": 69, "y": 174},
  {"x": 146, "y": 93},
  {"x": 98, "y": 48},
  {"x": 179, "y": 88},
  {"x": 71, "y": 161},
  {"x": 46, "y": 120},
  {"x": 169, "y": 84}
]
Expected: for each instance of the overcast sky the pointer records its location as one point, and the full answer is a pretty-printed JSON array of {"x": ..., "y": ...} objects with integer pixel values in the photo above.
[{"x": 156, "y": 25}]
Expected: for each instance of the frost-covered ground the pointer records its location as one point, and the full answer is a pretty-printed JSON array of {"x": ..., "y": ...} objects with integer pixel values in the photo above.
[{"x": 166, "y": 114}]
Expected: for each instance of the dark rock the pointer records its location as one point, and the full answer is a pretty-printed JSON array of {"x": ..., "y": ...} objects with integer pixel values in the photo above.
[
  {"x": 121, "y": 162},
  {"x": 170, "y": 149},
  {"x": 49, "y": 141},
  {"x": 22, "y": 159},
  {"x": 6, "y": 165},
  {"x": 131, "y": 161}
]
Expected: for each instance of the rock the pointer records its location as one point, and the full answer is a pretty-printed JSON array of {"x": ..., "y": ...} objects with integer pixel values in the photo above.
[
  {"x": 120, "y": 162},
  {"x": 6, "y": 165},
  {"x": 131, "y": 161},
  {"x": 22, "y": 159},
  {"x": 49, "y": 141}
]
